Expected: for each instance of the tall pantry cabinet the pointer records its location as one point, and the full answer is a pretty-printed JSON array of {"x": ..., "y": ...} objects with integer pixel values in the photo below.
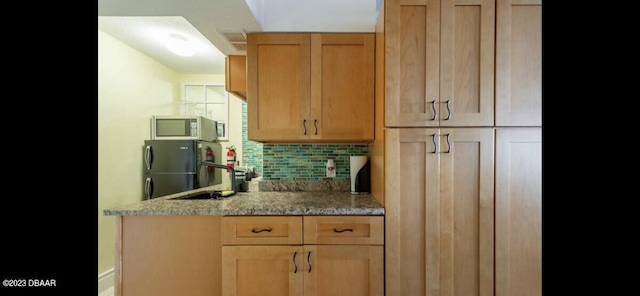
[{"x": 463, "y": 147}]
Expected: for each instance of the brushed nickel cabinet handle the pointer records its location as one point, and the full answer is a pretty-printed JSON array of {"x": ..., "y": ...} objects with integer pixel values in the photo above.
[
  {"x": 304, "y": 124},
  {"x": 294, "y": 262},
  {"x": 309, "y": 261},
  {"x": 261, "y": 230},
  {"x": 346, "y": 229},
  {"x": 448, "y": 110},
  {"x": 435, "y": 113}
]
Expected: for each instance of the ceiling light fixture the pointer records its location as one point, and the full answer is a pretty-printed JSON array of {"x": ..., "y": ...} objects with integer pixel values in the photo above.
[{"x": 179, "y": 45}]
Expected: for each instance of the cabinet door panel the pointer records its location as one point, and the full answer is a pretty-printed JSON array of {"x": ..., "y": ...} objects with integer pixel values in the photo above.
[
  {"x": 158, "y": 257},
  {"x": 344, "y": 270},
  {"x": 278, "y": 85},
  {"x": 519, "y": 63},
  {"x": 411, "y": 195},
  {"x": 342, "y": 94},
  {"x": 465, "y": 212},
  {"x": 519, "y": 212},
  {"x": 412, "y": 62},
  {"x": 262, "y": 270},
  {"x": 467, "y": 63}
]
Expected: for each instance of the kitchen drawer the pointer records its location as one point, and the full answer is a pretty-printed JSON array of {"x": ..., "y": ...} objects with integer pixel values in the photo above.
[
  {"x": 335, "y": 230},
  {"x": 262, "y": 230}
]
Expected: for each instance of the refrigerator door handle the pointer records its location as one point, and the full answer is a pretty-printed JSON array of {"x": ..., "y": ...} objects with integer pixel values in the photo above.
[
  {"x": 148, "y": 157},
  {"x": 148, "y": 188}
]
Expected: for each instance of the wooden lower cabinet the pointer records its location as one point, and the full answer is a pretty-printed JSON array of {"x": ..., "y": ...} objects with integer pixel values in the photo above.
[
  {"x": 304, "y": 269},
  {"x": 168, "y": 255},
  {"x": 262, "y": 270},
  {"x": 463, "y": 211},
  {"x": 344, "y": 270}
]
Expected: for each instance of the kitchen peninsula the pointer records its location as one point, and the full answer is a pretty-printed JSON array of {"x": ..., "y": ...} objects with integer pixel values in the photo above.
[
  {"x": 251, "y": 240},
  {"x": 257, "y": 203}
]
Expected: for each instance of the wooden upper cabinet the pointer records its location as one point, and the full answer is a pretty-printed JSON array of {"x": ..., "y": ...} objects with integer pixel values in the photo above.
[
  {"x": 278, "y": 86},
  {"x": 519, "y": 63},
  {"x": 342, "y": 87},
  {"x": 236, "y": 75},
  {"x": 439, "y": 63},
  {"x": 310, "y": 87}
]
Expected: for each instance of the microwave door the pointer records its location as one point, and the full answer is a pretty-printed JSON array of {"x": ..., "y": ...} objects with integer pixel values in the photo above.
[{"x": 170, "y": 156}]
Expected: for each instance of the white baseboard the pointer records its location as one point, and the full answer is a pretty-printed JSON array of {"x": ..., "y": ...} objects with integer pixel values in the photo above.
[{"x": 105, "y": 280}]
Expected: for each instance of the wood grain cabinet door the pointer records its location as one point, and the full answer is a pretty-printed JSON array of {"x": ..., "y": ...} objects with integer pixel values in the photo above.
[
  {"x": 342, "y": 87},
  {"x": 262, "y": 270},
  {"x": 411, "y": 196},
  {"x": 344, "y": 270},
  {"x": 465, "y": 216},
  {"x": 518, "y": 212},
  {"x": 519, "y": 63},
  {"x": 278, "y": 86}
]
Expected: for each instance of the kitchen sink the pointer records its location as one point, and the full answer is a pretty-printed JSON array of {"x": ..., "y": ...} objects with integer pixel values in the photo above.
[{"x": 206, "y": 195}]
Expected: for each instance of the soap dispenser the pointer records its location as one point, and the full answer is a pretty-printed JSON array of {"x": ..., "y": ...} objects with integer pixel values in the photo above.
[{"x": 331, "y": 168}]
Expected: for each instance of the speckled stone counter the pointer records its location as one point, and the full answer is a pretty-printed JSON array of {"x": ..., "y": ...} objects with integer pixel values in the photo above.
[{"x": 257, "y": 203}]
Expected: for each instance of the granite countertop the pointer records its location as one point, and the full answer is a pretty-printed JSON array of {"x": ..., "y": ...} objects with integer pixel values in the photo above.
[{"x": 256, "y": 203}]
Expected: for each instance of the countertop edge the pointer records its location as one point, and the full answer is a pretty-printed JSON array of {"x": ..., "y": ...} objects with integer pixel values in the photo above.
[{"x": 281, "y": 203}]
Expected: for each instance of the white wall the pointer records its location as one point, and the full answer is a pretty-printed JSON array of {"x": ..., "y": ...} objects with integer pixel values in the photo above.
[{"x": 131, "y": 88}]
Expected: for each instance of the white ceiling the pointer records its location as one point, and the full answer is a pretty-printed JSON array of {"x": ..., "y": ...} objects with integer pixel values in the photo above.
[{"x": 138, "y": 22}]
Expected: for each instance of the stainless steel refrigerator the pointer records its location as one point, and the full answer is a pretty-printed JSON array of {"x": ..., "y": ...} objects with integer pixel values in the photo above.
[{"x": 172, "y": 166}]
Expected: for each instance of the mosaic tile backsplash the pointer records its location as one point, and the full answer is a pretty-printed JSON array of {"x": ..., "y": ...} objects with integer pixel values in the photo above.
[
  {"x": 297, "y": 161},
  {"x": 251, "y": 151},
  {"x": 308, "y": 161}
]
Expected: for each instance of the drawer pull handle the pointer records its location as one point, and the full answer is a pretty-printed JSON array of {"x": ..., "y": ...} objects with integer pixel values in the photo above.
[
  {"x": 309, "y": 261},
  {"x": 294, "y": 262},
  {"x": 339, "y": 231},
  {"x": 261, "y": 230}
]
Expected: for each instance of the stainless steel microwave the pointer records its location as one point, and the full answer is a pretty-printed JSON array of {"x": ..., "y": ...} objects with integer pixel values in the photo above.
[{"x": 174, "y": 127}]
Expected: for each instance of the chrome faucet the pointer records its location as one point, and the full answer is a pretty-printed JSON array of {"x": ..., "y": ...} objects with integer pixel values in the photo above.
[{"x": 221, "y": 166}]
